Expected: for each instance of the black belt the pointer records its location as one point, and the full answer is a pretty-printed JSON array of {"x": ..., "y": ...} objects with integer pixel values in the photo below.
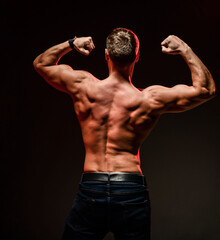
[{"x": 113, "y": 177}]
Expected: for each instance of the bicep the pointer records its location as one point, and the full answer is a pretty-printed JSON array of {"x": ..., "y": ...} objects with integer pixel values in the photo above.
[
  {"x": 61, "y": 77},
  {"x": 176, "y": 99}
]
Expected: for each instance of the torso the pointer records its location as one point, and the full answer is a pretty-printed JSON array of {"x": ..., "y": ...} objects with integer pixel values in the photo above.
[{"x": 115, "y": 118}]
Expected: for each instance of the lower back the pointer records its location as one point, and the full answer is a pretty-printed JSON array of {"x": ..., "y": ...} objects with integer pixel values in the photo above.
[{"x": 112, "y": 162}]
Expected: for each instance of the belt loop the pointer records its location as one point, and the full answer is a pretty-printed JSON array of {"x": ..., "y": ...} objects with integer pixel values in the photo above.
[
  {"x": 143, "y": 180},
  {"x": 81, "y": 178},
  {"x": 108, "y": 178}
]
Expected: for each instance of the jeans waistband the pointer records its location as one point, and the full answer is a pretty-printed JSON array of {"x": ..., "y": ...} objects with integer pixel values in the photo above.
[{"x": 114, "y": 177}]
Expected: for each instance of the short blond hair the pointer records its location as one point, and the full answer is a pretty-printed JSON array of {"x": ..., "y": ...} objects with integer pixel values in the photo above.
[{"x": 123, "y": 46}]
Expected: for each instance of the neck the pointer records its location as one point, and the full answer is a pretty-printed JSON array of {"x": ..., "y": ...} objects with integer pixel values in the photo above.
[{"x": 125, "y": 72}]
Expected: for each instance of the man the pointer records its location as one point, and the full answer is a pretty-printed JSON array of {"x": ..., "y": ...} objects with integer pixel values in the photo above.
[{"x": 115, "y": 118}]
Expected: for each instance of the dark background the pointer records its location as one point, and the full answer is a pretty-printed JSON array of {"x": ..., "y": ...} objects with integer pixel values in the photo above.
[{"x": 42, "y": 149}]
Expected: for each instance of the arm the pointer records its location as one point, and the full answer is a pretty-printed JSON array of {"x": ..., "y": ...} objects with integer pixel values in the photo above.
[
  {"x": 62, "y": 76},
  {"x": 182, "y": 97}
]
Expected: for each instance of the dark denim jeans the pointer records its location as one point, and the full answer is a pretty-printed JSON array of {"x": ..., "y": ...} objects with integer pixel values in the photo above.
[{"x": 99, "y": 208}]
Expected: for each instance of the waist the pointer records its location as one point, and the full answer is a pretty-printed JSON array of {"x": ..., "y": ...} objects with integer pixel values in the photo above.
[{"x": 113, "y": 177}]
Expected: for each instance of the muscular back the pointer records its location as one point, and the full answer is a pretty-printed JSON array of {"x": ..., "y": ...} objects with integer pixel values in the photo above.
[{"x": 115, "y": 118}]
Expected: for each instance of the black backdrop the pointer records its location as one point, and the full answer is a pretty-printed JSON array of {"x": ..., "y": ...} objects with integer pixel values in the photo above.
[{"x": 42, "y": 150}]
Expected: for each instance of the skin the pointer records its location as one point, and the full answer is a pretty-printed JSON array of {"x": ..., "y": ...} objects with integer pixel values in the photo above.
[{"x": 115, "y": 117}]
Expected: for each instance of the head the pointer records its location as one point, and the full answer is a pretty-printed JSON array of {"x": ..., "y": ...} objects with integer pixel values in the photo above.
[{"x": 122, "y": 47}]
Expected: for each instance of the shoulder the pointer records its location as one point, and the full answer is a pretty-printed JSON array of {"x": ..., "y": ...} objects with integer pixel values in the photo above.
[
  {"x": 76, "y": 80},
  {"x": 153, "y": 95},
  {"x": 155, "y": 92},
  {"x": 79, "y": 77},
  {"x": 154, "y": 89}
]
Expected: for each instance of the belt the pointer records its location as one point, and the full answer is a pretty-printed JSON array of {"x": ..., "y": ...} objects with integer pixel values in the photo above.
[{"x": 114, "y": 177}]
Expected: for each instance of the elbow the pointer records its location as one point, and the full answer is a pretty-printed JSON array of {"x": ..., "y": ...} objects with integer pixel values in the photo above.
[
  {"x": 37, "y": 64},
  {"x": 212, "y": 90},
  {"x": 207, "y": 94},
  {"x": 208, "y": 87},
  {"x": 213, "y": 93},
  {"x": 211, "y": 87}
]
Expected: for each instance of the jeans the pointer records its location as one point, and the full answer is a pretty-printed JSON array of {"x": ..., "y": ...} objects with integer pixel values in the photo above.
[{"x": 122, "y": 208}]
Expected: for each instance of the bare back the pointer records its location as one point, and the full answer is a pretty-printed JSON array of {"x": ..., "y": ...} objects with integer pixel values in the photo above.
[{"x": 115, "y": 118}]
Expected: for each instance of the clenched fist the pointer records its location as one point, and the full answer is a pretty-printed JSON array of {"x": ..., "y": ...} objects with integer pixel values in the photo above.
[
  {"x": 84, "y": 45},
  {"x": 173, "y": 45}
]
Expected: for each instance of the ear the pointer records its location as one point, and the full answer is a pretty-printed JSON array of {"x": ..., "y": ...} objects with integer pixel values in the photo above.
[
  {"x": 106, "y": 54},
  {"x": 138, "y": 56}
]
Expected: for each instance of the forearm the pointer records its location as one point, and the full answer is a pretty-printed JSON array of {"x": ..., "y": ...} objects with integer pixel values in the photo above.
[
  {"x": 52, "y": 55},
  {"x": 201, "y": 77}
]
